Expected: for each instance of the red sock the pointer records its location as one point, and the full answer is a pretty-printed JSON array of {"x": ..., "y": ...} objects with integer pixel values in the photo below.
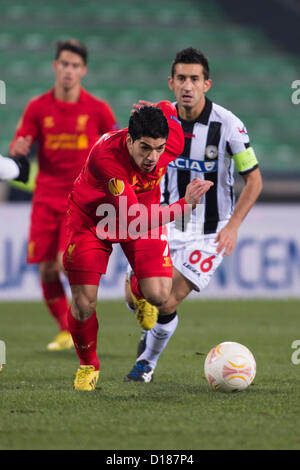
[
  {"x": 56, "y": 301},
  {"x": 134, "y": 284},
  {"x": 84, "y": 334}
]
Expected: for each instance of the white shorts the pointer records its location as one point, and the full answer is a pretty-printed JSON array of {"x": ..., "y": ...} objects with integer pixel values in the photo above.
[{"x": 197, "y": 261}]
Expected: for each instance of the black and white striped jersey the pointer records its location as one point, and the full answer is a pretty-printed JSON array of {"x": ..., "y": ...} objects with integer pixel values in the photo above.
[{"x": 211, "y": 141}]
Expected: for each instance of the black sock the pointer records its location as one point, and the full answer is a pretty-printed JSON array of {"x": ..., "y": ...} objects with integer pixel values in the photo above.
[{"x": 166, "y": 318}]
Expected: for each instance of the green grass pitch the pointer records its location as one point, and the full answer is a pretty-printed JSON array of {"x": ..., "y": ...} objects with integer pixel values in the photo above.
[{"x": 40, "y": 410}]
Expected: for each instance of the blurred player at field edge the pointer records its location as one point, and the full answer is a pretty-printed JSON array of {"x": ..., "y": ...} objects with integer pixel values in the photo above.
[
  {"x": 215, "y": 141},
  {"x": 66, "y": 122}
]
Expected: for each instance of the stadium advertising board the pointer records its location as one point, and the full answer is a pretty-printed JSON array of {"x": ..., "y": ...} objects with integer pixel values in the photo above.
[{"x": 265, "y": 263}]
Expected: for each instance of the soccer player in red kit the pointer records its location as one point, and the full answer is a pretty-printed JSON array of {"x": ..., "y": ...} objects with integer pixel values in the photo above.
[
  {"x": 120, "y": 180},
  {"x": 66, "y": 122}
]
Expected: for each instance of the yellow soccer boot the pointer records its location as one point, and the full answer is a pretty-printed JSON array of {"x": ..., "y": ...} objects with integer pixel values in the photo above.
[
  {"x": 86, "y": 378},
  {"x": 61, "y": 342},
  {"x": 145, "y": 313}
]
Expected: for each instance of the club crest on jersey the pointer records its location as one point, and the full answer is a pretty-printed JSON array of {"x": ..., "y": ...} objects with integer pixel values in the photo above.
[
  {"x": 116, "y": 186},
  {"x": 211, "y": 152},
  {"x": 48, "y": 121},
  {"x": 81, "y": 122}
]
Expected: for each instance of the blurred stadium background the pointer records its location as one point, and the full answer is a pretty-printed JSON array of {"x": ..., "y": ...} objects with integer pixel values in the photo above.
[{"x": 253, "y": 53}]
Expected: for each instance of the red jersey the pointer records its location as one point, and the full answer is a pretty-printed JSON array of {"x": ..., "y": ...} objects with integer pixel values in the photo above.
[
  {"x": 110, "y": 173},
  {"x": 65, "y": 133}
]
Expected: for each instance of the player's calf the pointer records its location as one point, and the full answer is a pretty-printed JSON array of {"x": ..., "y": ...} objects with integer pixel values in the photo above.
[{"x": 84, "y": 301}]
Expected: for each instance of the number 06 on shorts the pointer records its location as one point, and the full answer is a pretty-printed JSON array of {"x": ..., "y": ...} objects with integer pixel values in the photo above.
[{"x": 197, "y": 262}]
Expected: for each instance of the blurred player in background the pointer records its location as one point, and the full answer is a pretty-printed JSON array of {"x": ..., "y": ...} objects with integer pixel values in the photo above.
[
  {"x": 215, "y": 140},
  {"x": 119, "y": 181},
  {"x": 66, "y": 122}
]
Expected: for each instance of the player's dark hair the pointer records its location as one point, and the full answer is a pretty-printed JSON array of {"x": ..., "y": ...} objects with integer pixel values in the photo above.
[
  {"x": 191, "y": 56},
  {"x": 72, "y": 45},
  {"x": 148, "y": 121}
]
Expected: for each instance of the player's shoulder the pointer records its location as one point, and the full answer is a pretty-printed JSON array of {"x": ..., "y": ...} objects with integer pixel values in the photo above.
[
  {"x": 112, "y": 139},
  {"x": 233, "y": 126},
  {"x": 40, "y": 100},
  {"x": 110, "y": 145},
  {"x": 107, "y": 153},
  {"x": 167, "y": 106},
  {"x": 93, "y": 99},
  {"x": 224, "y": 115}
]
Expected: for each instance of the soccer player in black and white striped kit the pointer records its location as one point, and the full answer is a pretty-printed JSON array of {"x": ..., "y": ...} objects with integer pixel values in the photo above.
[{"x": 215, "y": 141}]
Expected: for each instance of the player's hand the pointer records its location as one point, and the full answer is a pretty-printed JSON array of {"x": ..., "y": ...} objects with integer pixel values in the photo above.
[
  {"x": 195, "y": 190},
  {"x": 21, "y": 146},
  {"x": 226, "y": 239},
  {"x": 140, "y": 104}
]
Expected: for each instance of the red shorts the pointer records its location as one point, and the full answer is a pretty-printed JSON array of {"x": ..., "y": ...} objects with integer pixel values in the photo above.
[
  {"x": 47, "y": 234},
  {"x": 86, "y": 257}
]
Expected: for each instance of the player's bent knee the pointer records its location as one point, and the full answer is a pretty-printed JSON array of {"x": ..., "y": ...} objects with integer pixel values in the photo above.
[
  {"x": 83, "y": 305},
  {"x": 170, "y": 306},
  {"x": 156, "y": 291},
  {"x": 82, "y": 308},
  {"x": 158, "y": 298}
]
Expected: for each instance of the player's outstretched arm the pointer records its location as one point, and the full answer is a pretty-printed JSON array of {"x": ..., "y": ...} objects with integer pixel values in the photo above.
[
  {"x": 27, "y": 130},
  {"x": 20, "y": 147},
  {"x": 195, "y": 190},
  {"x": 154, "y": 216}
]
